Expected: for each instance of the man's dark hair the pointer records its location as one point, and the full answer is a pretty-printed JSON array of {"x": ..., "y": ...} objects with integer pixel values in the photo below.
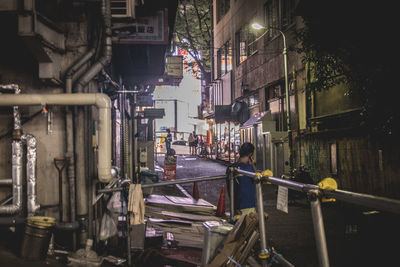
[
  {"x": 168, "y": 130},
  {"x": 246, "y": 149}
]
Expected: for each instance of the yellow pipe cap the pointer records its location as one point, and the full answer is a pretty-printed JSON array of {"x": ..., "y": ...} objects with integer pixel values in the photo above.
[{"x": 328, "y": 184}]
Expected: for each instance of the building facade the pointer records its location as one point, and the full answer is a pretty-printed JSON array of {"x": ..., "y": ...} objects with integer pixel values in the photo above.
[
  {"x": 111, "y": 50},
  {"x": 322, "y": 133}
]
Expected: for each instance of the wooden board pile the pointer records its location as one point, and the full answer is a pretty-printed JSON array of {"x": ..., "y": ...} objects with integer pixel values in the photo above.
[
  {"x": 238, "y": 244},
  {"x": 181, "y": 216}
]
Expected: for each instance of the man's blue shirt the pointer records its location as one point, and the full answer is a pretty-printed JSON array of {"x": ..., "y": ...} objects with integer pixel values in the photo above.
[{"x": 243, "y": 187}]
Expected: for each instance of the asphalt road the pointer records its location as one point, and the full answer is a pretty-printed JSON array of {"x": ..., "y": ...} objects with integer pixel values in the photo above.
[{"x": 191, "y": 167}]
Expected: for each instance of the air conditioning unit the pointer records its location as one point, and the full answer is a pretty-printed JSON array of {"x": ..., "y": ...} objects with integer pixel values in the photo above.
[{"x": 123, "y": 8}]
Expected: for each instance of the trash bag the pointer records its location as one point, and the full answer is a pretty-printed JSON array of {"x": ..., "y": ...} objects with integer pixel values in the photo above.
[
  {"x": 115, "y": 205},
  {"x": 108, "y": 228}
]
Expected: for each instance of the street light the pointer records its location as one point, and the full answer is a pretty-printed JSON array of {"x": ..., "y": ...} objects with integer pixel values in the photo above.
[{"x": 258, "y": 26}]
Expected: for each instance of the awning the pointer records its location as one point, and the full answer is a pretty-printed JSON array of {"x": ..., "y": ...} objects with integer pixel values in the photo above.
[
  {"x": 253, "y": 120},
  {"x": 223, "y": 113}
]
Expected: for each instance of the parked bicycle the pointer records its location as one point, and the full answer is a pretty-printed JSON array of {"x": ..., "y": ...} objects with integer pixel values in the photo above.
[{"x": 201, "y": 150}]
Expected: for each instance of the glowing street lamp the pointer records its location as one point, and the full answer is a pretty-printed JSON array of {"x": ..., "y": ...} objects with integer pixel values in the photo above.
[{"x": 258, "y": 26}]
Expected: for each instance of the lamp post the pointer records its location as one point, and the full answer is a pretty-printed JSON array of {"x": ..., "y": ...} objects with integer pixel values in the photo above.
[{"x": 258, "y": 26}]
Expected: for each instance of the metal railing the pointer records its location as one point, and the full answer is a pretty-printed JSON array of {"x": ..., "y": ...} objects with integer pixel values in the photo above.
[{"x": 314, "y": 195}]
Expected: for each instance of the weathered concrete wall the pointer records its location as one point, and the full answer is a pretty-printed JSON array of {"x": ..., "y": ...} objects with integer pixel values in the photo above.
[{"x": 51, "y": 144}]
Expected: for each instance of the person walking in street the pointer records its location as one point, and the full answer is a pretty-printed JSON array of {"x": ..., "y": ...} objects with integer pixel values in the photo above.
[
  {"x": 168, "y": 141},
  {"x": 195, "y": 142},
  {"x": 191, "y": 144},
  {"x": 244, "y": 191}
]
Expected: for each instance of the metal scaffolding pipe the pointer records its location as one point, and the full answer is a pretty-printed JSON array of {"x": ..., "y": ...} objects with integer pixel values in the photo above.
[
  {"x": 380, "y": 203},
  {"x": 319, "y": 230},
  {"x": 31, "y": 178},
  {"x": 231, "y": 194},
  {"x": 261, "y": 219},
  {"x": 183, "y": 181},
  {"x": 101, "y": 101}
]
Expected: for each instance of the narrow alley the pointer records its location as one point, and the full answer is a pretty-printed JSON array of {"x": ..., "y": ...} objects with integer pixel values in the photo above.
[{"x": 198, "y": 133}]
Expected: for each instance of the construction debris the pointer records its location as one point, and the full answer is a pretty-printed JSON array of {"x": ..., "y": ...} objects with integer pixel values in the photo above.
[{"x": 237, "y": 245}]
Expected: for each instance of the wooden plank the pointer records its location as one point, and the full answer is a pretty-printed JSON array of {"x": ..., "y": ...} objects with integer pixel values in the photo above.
[{"x": 235, "y": 241}]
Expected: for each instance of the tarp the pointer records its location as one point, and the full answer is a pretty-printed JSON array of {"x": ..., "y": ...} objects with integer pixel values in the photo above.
[{"x": 253, "y": 120}]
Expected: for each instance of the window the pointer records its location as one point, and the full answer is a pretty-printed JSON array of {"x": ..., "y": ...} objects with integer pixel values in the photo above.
[
  {"x": 287, "y": 13},
  {"x": 271, "y": 12},
  {"x": 253, "y": 100},
  {"x": 225, "y": 58},
  {"x": 278, "y": 14},
  {"x": 274, "y": 91},
  {"x": 245, "y": 45},
  {"x": 219, "y": 63},
  {"x": 222, "y": 8}
]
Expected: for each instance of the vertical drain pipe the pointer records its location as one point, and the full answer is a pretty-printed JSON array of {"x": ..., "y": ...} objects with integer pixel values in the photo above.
[
  {"x": 69, "y": 126},
  {"x": 122, "y": 134},
  {"x": 82, "y": 205}
]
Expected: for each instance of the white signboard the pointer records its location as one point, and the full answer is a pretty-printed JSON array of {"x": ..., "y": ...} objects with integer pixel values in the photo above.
[
  {"x": 282, "y": 199},
  {"x": 144, "y": 30}
]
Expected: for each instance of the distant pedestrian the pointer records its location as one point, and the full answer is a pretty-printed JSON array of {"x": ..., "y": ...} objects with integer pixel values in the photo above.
[
  {"x": 196, "y": 141},
  {"x": 168, "y": 141},
  {"x": 191, "y": 144},
  {"x": 244, "y": 191}
]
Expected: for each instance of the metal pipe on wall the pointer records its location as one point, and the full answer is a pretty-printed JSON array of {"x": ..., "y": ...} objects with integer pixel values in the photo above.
[
  {"x": 17, "y": 154},
  {"x": 80, "y": 151},
  {"x": 69, "y": 130},
  {"x": 17, "y": 160},
  {"x": 31, "y": 159},
  {"x": 101, "y": 101}
]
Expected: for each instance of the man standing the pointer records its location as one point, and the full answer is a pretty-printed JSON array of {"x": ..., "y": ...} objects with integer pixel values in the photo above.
[
  {"x": 244, "y": 191},
  {"x": 168, "y": 141},
  {"x": 195, "y": 142}
]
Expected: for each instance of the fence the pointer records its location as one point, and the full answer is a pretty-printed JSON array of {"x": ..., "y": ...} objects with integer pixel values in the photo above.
[{"x": 314, "y": 193}]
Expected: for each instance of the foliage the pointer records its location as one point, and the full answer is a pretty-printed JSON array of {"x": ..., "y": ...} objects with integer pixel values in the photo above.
[
  {"x": 193, "y": 33},
  {"x": 351, "y": 42}
]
